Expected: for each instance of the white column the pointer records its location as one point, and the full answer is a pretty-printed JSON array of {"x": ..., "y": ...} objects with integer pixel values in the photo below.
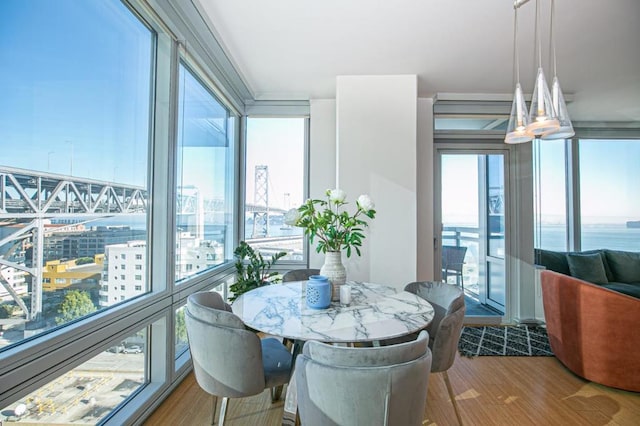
[
  {"x": 425, "y": 179},
  {"x": 322, "y": 155},
  {"x": 376, "y": 155}
]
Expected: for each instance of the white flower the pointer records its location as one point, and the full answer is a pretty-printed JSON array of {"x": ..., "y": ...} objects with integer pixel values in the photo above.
[
  {"x": 291, "y": 217},
  {"x": 337, "y": 195},
  {"x": 365, "y": 202}
]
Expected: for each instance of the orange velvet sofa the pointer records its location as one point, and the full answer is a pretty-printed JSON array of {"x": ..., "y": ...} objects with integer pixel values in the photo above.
[{"x": 593, "y": 331}]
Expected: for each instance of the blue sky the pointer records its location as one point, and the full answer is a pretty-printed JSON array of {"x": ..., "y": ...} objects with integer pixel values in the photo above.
[
  {"x": 609, "y": 183},
  {"x": 62, "y": 93},
  {"x": 202, "y": 138},
  {"x": 79, "y": 105},
  {"x": 609, "y": 179},
  {"x": 279, "y": 144}
]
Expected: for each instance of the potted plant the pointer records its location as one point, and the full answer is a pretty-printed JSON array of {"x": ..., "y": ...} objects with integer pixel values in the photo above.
[
  {"x": 252, "y": 270},
  {"x": 336, "y": 229}
]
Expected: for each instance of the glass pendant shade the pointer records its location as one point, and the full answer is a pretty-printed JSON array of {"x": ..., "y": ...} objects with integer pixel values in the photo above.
[
  {"x": 517, "y": 128},
  {"x": 565, "y": 130},
  {"x": 542, "y": 117}
]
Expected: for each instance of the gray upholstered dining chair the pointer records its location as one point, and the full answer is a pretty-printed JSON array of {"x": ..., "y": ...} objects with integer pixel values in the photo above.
[
  {"x": 386, "y": 385},
  {"x": 299, "y": 274},
  {"x": 445, "y": 328},
  {"x": 228, "y": 360}
]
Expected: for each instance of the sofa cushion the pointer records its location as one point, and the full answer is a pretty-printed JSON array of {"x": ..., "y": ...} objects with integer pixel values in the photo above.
[
  {"x": 630, "y": 289},
  {"x": 625, "y": 265},
  {"x": 552, "y": 260},
  {"x": 607, "y": 268},
  {"x": 588, "y": 267}
]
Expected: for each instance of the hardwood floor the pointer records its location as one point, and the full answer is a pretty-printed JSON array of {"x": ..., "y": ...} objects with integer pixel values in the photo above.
[{"x": 489, "y": 390}]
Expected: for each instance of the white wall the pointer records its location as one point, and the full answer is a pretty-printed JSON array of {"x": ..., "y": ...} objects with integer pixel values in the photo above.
[
  {"x": 425, "y": 188},
  {"x": 322, "y": 155},
  {"x": 376, "y": 122}
]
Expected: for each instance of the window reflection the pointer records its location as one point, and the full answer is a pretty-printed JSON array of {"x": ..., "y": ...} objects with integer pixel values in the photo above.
[
  {"x": 90, "y": 391},
  {"x": 204, "y": 184},
  {"x": 180, "y": 332},
  {"x": 550, "y": 195}
]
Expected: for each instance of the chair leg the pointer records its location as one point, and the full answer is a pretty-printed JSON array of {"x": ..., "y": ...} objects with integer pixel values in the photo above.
[
  {"x": 213, "y": 415},
  {"x": 223, "y": 411},
  {"x": 452, "y": 396},
  {"x": 288, "y": 343},
  {"x": 276, "y": 393}
]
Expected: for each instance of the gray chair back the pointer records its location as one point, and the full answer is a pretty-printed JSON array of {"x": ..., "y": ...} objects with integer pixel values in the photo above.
[
  {"x": 445, "y": 329},
  {"x": 299, "y": 274},
  {"x": 227, "y": 358},
  {"x": 363, "y": 386}
]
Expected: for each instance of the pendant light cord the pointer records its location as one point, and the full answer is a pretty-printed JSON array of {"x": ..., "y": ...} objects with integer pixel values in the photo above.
[
  {"x": 552, "y": 37},
  {"x": 537, "y": 38},
  {"x": 516, "y": 59}
]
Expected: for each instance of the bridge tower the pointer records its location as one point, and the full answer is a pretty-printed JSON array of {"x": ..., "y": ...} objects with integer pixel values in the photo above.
[{"x": 261, "y": 201}]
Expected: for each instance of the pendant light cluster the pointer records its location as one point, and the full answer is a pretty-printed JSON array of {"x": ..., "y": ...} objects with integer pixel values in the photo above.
[{"x": 547, "y": 117}]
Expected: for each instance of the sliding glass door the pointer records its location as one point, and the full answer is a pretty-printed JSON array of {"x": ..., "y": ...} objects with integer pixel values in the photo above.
[{"x": 471, "y": 211}]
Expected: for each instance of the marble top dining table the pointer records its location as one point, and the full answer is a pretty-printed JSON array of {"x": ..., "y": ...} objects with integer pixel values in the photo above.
[{"x": 376, "y": 312}]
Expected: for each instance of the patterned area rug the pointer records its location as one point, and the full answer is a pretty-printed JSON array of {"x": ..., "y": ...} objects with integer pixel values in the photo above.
[{"x": 504, "y": 341}]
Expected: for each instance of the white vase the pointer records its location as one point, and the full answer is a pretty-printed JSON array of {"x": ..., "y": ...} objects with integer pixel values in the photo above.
[{"x": 335, "y": 271}]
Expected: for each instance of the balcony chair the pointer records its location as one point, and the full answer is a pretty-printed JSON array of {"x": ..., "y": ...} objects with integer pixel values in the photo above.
[
  {"x": 453, "y": 262},
  {"x": 299, "y": 274},
  {"x": 445, "y": 328},
  {"x": 228, "y": 360},
  {"x": 339, "y": 385}
]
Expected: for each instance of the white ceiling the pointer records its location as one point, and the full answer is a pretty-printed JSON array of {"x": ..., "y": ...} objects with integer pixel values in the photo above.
[{"x": 294, "y": 49}]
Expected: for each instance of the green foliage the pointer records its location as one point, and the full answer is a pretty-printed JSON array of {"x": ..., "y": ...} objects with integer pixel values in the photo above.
[
  {"x": 336, "y": 230},
  {"x": 181, "y": 326},
  {"x": 252, "y": 270},
  {"x": 84, "y": 260},
  {"x": 6, "y": 311},
  {"x": 76, "y": 304}
]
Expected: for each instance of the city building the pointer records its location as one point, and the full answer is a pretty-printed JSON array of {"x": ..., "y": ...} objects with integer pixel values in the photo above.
[
  {"x": 15, "y": 280},
  {"x": 195, "y": 255},
  {"x": 71, "y": 242},
  {"x": 124, "y": 275},
  {"x": 81, "y": 273},
  {"x": 125, "y": 266}
]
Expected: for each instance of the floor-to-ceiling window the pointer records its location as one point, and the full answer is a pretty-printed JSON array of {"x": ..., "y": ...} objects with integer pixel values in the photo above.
[
  {"x": 571, "y": 195},
  {"x": 473, "y": 216},
  {"x": 74, "y": 130},
  {"x": 609, "y": 201},
  {"x": 275, "y": 159},
  {"x": 117, "y": 183},
  {"x": 204, "y": 183},
  {"x": 205, "y": 187},
  {"x": 586, "y": 194},
  {"x": 75, "y": 124},
  {"x": 550, "y": 194}
]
